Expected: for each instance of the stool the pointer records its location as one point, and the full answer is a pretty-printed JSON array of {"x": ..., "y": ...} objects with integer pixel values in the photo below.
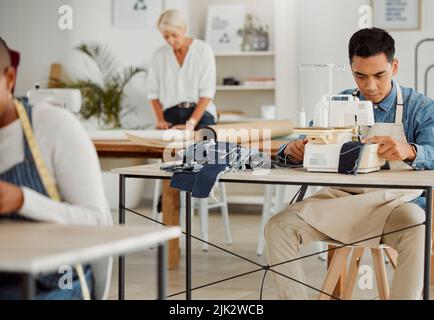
[{"x": 338, "y": 265}]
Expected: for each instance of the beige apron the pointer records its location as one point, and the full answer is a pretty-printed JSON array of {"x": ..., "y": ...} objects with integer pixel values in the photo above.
[{"x": 350, "y": 215}]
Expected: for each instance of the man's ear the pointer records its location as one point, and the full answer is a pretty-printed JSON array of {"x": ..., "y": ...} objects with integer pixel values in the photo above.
[
  {"x": 11, "y": 77},
  {"x": 395, "y": 67}
]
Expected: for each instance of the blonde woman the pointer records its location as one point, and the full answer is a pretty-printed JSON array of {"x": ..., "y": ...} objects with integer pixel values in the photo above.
[{"x": 182, "y": 78}]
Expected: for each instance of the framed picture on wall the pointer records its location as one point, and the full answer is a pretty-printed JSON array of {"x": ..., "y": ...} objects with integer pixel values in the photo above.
[
  {"x": 397, "y": 14},
  {"x": 136, "y": 14},
  {"x": 224, "y": 23}
]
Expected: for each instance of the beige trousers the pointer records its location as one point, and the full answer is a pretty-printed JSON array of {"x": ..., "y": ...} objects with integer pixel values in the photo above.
[{"x": 286, "y": 232}]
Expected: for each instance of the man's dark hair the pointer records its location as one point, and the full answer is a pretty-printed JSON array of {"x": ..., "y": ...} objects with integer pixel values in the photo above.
[
  {"x": 5, "y": 56},
  {"x": 370, "y": 42}
]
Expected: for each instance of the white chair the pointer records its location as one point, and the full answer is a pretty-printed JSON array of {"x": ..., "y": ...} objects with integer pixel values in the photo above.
[
  {"x": 102, "y": 272},
  {"x": 155, "y": 199},
  {"x": 202, "y": 206}
]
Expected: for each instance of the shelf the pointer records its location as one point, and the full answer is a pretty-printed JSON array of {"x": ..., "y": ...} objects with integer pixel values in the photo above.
[
  {"x": 246, "y": 88},
  {"x": 245, "y": 54}
]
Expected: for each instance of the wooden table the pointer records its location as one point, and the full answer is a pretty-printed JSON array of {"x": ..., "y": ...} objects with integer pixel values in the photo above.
[
  {"x": 405, "y": 179},
  {"x": 170, "y": 199},
  {"x": 32, "y": 249},
  {"x": 127, "y": 149}
]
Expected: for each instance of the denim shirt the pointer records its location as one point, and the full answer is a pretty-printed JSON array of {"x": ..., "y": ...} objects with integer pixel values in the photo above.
[{"x": 418, "y": 121}]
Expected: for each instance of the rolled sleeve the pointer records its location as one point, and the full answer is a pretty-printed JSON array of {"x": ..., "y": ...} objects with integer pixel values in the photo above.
[
  {"x": 208, "y": 75},
  {"x": 424, "y": 141},
  {"x": 421, "y": 160}
]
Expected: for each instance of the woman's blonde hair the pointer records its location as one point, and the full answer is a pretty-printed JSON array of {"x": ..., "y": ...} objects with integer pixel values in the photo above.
[{"x": 171, "y": 20}]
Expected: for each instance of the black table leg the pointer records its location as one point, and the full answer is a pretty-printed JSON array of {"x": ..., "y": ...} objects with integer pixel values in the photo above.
[
  {"x": 121, "y": 279},
  {"x": 188, "y": 244},
  {"x": 162, "y": 271},
  {"x": 28, "y": 287},
  {"x": 428, "y": 227},
  {"x": 302, "y": 193}
]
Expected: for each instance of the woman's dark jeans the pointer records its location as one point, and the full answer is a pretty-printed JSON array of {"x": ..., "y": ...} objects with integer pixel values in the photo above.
[{"x": 177, "y": 116}]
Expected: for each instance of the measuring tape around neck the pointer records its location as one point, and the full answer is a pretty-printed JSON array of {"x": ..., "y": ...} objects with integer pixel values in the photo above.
[{"x": 46, "y": 178}]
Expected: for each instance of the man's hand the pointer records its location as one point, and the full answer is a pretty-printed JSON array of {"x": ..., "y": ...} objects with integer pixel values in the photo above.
[
  {"x": 391, "y": 150},
  {"x": 162, "y": 125},
  {"x": 11, "y": 198},
  {"x": 296, "y": 149}
]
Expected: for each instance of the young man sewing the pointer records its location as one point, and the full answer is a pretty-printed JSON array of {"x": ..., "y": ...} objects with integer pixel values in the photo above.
[
  {"x": 44, "y": 134},
  {"x": 404, "y": 130}
]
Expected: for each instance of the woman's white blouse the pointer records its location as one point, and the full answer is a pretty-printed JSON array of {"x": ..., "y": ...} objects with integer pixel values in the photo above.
[{"x": 171, "y": 84}]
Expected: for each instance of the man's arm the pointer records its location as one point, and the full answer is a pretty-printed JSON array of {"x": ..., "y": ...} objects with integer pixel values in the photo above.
[
  {"x": 424, "y": 138},
  {"x": 420, "y": 154}
]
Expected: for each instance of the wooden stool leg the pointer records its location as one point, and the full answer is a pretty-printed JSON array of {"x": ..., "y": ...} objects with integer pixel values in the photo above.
[
  {"x": 380, "y": 273},
  {"x": 353, "y": 271},
  {"x": 171, "y": 218},
  {"x": 392, "y": 255},
  {"x": 336, "y": 268},
  {"x": 340, "y": 285}
]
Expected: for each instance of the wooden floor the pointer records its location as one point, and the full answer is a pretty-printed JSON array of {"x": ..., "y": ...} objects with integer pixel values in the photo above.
[{"x": 216, "y": 265}]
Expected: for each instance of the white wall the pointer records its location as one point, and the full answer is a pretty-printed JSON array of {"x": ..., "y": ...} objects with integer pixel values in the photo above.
[
  {"x": 286, "y": 60},
  {"x": 31, "y": 27},
  {"x": 325, "y": 27}
]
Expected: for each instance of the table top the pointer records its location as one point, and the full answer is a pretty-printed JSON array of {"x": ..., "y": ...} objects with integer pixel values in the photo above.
[
  {"x": 126, "y": 148},
  {"x": 44, "y": 247},
  {"x": 299, "y": 176}
]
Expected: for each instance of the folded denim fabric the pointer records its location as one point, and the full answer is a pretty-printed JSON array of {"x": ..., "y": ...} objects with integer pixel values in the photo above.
[
  {"x": 204, "y": 161},
  {"x": 349, "y": 158}
]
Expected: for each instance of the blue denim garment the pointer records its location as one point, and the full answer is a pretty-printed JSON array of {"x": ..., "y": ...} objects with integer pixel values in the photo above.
[
  {"x": 349, "y": 158},
  {"x": 13, "y": 291},
  {"x": 418, "y": 121},
  {"x": 199, "y": 184},
  {"x": 204, "y": 161}
]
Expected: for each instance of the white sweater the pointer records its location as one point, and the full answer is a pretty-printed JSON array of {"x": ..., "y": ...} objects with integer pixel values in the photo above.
[{"x": 72, "y": 161}]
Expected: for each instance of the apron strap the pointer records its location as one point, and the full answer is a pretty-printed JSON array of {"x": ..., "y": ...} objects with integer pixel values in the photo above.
[
  {"x": 399, "y": 105},
  {"x": 46, "y": 178}
]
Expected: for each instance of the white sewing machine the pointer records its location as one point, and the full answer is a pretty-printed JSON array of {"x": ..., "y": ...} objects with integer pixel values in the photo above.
[
  {"x": 339, "y": 119},
  {"x": 69, "y": 99}
]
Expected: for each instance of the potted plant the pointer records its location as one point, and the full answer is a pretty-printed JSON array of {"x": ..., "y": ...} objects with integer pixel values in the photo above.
[
  {"x": 255, "y": 35},
  {"x": 102, "y": 99}
]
